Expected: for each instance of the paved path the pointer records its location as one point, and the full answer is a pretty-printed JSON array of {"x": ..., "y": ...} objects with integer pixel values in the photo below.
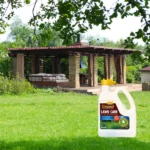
[{"x": 96, "y": 90}]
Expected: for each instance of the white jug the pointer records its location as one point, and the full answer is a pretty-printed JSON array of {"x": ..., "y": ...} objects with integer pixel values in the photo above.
[{"x": 114, "y": 120}]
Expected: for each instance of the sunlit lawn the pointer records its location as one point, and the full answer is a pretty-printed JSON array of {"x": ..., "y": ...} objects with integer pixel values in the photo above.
[{"x": 65, "y": 121}]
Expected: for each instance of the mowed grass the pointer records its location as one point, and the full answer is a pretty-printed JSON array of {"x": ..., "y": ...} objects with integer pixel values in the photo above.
[{"x": 65, "y": 121}]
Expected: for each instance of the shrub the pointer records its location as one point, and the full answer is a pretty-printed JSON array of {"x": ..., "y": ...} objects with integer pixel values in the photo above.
[{"x": 15, "y": 86}]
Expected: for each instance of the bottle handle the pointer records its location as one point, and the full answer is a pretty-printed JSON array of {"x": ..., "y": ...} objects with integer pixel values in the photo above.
[{"x": 127, "y": 94}]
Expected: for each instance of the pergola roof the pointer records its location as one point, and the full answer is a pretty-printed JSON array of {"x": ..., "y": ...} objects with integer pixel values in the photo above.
[{"x": 77, "y": 47}]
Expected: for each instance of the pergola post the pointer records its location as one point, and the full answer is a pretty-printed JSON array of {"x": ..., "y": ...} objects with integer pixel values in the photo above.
[
  {"x": 37, "y": 64},
  {"x": 56, "y": 64},
  {"x": 20, "y": 65},
  {"x": 111, "y": 66},
  {"x": 90, "y": 70},
  {"x": 14, "y": 66},
  {"x": 53, "y": 64},
  {"x": 120, "y": 65},
  {"x": 95, "y": 70},
  {"x": 74, "y": 69},
  {"x": 108, "y": 66},
  {"x": 124, "y": 68}
]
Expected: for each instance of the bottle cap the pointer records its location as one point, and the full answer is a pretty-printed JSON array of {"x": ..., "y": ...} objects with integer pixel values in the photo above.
[{"x": 108, "y": 82}]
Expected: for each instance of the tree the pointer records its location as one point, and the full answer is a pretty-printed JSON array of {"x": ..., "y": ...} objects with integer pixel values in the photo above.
[
  {"x": 71, "y": 17},
  {"x": 20, "y": 33},
  {"x": 47, "y": 36},
  {"x": 24, "y": 35}
]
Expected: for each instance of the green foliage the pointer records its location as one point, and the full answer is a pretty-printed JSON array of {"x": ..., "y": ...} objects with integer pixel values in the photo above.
[
  {"x": 44, "y": 35},
  {"x": 27, "y": 66},
  {"x": 131, "y": 74},
  {"x": 78, "y": 16},
  {"x": 27, "y": 1},
  {"x": 83, "y": 70},
  {"x": 6, "y": 14},
  {"x": 73, "y": 17},
  {"x": 5, "y": 67},
  {"x": 100, "y": 68},
  {"x": 134, "y": 63},
  {"x": 64, "y": 66},
  {"x": 15, "y": 86}
]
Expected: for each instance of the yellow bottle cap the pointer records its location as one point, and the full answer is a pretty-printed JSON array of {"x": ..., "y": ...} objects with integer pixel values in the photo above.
[{"x": 107, "y": 82}]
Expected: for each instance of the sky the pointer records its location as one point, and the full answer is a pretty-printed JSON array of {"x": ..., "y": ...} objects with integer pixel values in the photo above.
[{"x": 120, "y": 28}]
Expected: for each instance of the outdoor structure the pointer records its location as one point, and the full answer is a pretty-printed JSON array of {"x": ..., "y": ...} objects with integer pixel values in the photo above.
[
  {"x": 114, "y": 60},
  {"x": 145, "y": 74},
  {"x": 145, "y": 78}
]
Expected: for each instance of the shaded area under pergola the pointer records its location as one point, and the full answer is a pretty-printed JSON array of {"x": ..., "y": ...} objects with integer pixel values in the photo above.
[{"x": 114, "y": 60}]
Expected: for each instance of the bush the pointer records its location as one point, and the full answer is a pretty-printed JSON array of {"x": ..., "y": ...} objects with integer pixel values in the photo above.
[{"x": 15, "y": 86}]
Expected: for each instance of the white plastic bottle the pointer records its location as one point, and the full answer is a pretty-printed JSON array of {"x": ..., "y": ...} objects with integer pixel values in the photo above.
[{"x": 114, "y": 120}]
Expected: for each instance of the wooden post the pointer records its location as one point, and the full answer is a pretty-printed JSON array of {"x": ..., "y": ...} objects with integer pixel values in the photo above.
[
  {"x": 53, "y": 65},
  {"x": 95, "y": 70},
  {"x": 90, "y": 70},
  {"x": 20, "y": 65},
  {"x": 58, "y": 64},
  {"x": 121, "y": 69},
  {"x": 124, "y": 68},
  {"x": 117, "y": 68},
  {"x": 110, "y": 66},
  {"x": 14, "y": 66},
  {"x": 120, "y": 65},
  {"x": 74, "y": 69}
]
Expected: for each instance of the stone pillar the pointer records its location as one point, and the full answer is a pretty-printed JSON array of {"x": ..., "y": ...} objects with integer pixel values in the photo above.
[
  {"x": 74, "y": 69},
  {"x": 90, "y": 70},
  {"x": 110, "y": 66},
  {"x": 20, "y": 65},
  {"x": 95, "y": 70}
]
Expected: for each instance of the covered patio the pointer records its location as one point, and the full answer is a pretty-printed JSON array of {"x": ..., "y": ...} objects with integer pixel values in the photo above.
[{"x": 114, "y": 61}]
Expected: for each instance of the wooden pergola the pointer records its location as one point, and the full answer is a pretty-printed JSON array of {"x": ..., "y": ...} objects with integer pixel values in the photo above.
[{"x": 114, "y": 60}]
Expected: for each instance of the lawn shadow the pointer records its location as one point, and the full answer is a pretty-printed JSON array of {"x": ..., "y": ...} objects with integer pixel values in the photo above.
[{"x": 80, "y": 143}]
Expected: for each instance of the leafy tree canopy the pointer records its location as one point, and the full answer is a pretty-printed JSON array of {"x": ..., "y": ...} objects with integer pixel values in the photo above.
[{"x": 71, "y": 17}]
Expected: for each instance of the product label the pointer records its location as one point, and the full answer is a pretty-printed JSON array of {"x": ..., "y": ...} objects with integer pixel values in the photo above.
[{"x": 110, "y": 117}]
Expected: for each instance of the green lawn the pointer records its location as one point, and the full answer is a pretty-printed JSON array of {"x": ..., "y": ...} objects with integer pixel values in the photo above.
[{"x": 65, "y": 121}]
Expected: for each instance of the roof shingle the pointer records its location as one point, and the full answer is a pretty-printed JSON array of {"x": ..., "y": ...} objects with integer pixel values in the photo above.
[{"x": 146, "y": 69}]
